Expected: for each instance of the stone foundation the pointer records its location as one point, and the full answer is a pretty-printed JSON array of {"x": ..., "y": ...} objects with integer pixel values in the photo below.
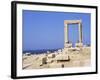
[
  {"x": 79, "y": 45},
  {"x": 68, "y": 45}
]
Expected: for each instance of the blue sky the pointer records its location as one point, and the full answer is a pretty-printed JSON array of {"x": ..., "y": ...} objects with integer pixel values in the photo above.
[{"x": 45, "y": 30}]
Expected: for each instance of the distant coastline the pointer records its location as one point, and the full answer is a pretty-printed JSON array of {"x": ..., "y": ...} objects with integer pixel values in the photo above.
[{"x": 40, "y": 51}]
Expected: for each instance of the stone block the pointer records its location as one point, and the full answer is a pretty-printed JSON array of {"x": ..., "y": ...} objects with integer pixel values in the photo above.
[
  {"x": 68, "y": 45},
  {"x": 79, "y": 45}
]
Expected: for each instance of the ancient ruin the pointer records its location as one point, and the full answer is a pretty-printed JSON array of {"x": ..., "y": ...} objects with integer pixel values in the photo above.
[
  {"x": 66, "y": 22},
  {"x": 69, "y": 56}
]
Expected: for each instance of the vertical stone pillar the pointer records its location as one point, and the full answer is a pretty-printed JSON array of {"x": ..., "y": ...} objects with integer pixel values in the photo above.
[
  {"x": 66, "y": 33},
  {"x": 80, "y": 32}
]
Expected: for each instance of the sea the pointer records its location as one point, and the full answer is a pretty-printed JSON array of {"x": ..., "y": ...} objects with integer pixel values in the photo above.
[{"x": 40, "y": 51}]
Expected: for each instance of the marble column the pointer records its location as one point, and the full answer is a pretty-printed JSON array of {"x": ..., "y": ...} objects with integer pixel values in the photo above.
[
  {"x": 66, "y": 33},
  {"x": 80, "y": 32}
]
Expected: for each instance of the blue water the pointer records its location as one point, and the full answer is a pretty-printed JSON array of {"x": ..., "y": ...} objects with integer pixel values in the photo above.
[{"x": 40, "y": 51}]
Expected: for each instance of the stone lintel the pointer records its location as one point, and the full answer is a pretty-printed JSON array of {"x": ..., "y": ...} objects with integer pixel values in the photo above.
[{"x": 72, "y": 21}]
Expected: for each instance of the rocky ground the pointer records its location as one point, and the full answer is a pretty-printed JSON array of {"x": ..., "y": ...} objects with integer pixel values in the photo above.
[{"x": 68, "y": 57}]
